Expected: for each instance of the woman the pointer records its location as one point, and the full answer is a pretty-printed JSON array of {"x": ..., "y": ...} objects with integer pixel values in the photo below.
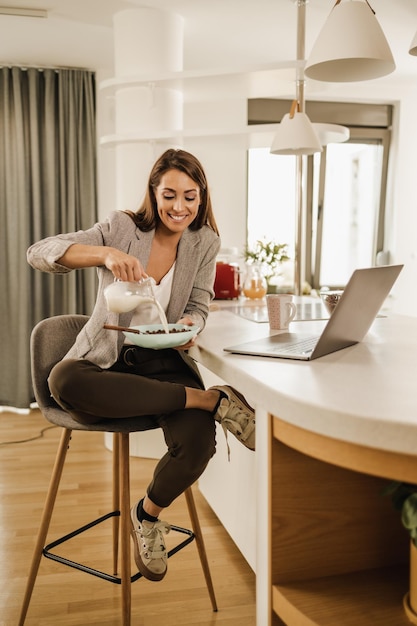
[{"x": 173, "y": 239}]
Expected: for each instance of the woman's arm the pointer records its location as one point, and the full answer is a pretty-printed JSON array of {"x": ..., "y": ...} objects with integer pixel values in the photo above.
[
  {"x": 80, "y": 255},
  {"x": 90, "y": 248},
  {"x": 202, "y": 292},
  {"x": 123, "y": 266}
]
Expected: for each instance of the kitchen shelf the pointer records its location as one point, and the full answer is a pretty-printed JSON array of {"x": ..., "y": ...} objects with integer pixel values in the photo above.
[
  {"x": 339, "y": 553},
  {"x": 178, "y": 80},
  {"x": 366, "y": 597},
  {"x": 206, "y": 85},
  {"x": 172, "y": 135}
]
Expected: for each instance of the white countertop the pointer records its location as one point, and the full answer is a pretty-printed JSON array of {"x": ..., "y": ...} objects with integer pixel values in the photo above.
[{"x": 365, "y": 394}]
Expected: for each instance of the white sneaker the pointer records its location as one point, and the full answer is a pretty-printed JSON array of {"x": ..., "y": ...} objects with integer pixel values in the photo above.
[
  {"x": 236, "y": 415},
  {"x": 149, "y": 546}
]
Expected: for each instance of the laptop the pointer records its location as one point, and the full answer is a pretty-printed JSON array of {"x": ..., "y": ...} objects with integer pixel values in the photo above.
[{"x": 351, "y": 319}]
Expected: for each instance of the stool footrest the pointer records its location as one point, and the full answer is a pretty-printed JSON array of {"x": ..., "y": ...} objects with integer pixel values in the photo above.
[{"x": 94, "y": 572}]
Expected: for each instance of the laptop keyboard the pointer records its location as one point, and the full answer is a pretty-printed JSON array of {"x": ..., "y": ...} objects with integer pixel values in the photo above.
[{"x": 299, "y": 347}]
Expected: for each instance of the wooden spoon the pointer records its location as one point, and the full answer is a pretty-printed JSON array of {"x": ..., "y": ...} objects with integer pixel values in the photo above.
[{"x": 123, "y": 328}]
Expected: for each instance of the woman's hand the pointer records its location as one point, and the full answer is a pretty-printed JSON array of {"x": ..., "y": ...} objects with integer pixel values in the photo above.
[
  {"x": 123, "y": 266},
  {"x": 187, "y": 345},
  {"x": 188, "y": 321}
]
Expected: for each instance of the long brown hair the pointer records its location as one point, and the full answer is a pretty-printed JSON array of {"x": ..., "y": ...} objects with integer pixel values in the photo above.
[{"x": 146, "y": 217}]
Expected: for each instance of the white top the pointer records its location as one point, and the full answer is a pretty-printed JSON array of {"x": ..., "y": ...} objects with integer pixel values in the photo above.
[{"x": 147, "y": 313}]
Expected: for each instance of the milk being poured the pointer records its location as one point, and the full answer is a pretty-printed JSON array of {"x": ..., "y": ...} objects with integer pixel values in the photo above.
[
  {"x": 122, "y": 297},
  {"x": 162, "y": 315}
]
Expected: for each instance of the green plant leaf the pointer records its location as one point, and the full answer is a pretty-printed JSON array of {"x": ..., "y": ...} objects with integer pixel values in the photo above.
[
  {"x": 409, "y": 514},
  {"x": 399, "y": 492}
]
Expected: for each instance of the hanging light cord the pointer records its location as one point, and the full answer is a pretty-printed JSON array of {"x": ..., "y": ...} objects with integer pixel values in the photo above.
[{"x": 295, "y": 107}]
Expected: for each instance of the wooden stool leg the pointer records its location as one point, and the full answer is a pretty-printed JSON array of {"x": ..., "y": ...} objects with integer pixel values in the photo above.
[
  {"x": 116, "y": 500},
  {"x": 45, "y": 521},
  {"x": 125, "y": 528},
  {"x": 195, "y": 523}
]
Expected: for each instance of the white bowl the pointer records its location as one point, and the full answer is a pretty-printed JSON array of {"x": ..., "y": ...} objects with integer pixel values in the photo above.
[{"x": 157, "y": 341}]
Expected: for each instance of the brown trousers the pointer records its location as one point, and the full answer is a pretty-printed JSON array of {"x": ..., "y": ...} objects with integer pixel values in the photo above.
[{"x": 143, "y": 382}]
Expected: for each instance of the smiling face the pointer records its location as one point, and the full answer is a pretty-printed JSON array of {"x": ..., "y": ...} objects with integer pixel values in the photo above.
[{"x": 178, "y": 199}]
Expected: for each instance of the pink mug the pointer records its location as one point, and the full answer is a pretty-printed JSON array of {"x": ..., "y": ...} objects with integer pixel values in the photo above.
[{"x": 281, "y": 310}]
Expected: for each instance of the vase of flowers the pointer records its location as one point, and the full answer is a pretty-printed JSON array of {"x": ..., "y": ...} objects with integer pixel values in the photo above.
[{"x": 269, "y": 256}]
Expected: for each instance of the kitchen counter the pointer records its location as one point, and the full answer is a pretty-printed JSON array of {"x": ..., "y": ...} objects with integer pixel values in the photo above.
[{"x": 330, "y": 433}]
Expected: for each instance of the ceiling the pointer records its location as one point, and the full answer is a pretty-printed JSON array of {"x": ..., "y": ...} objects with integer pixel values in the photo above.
[{"x": 217, "y": 33}]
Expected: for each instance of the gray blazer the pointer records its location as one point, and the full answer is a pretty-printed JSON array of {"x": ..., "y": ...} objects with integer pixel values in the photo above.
[{"x": 192, "y": 287}]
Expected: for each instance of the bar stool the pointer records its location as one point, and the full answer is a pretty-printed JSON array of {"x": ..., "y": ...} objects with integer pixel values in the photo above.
[{"x": 50, "y": 341}]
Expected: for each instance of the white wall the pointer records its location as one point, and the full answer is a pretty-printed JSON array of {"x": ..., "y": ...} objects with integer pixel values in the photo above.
[
  {"x": 404, "y": 203},
  {"x": 224, "y": 159}
]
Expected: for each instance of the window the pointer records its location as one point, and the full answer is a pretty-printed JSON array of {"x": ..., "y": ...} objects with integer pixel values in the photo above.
[
  {"x": 345, "y": 185},
  {"x": 271, "y": 197}
]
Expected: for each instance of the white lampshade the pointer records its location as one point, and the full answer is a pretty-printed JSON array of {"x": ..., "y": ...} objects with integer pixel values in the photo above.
[
  {"x": 413, "y": 46},
  {"x": 331, "y": 133},
  {"x": 295, "y": 134},
  {"x": 350, "y": 47}
]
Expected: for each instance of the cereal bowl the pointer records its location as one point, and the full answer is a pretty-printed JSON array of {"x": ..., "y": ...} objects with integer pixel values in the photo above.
[{"x": 153, "y": 335}]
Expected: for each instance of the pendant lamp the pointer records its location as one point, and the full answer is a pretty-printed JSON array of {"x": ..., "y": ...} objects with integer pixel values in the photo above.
[
  {"x": 413, "y": 46},
  {"x": 295, "y": 134},
  {"x": 331, "y": 133},
  {"x": 351, "y": 46}
]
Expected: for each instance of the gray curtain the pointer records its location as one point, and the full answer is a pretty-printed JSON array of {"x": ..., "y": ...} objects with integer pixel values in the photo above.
[{"x": 47, "y": 186}]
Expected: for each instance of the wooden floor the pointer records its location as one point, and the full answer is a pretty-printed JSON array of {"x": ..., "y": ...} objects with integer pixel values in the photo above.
[{"x": 65, "y": 596}]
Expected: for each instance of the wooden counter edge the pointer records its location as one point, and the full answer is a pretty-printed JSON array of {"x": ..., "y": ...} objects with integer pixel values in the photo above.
[{"x": 382, "y": 463}]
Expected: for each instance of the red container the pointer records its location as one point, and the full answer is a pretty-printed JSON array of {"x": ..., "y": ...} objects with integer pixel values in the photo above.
[{"x": 226, "y": 284}]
